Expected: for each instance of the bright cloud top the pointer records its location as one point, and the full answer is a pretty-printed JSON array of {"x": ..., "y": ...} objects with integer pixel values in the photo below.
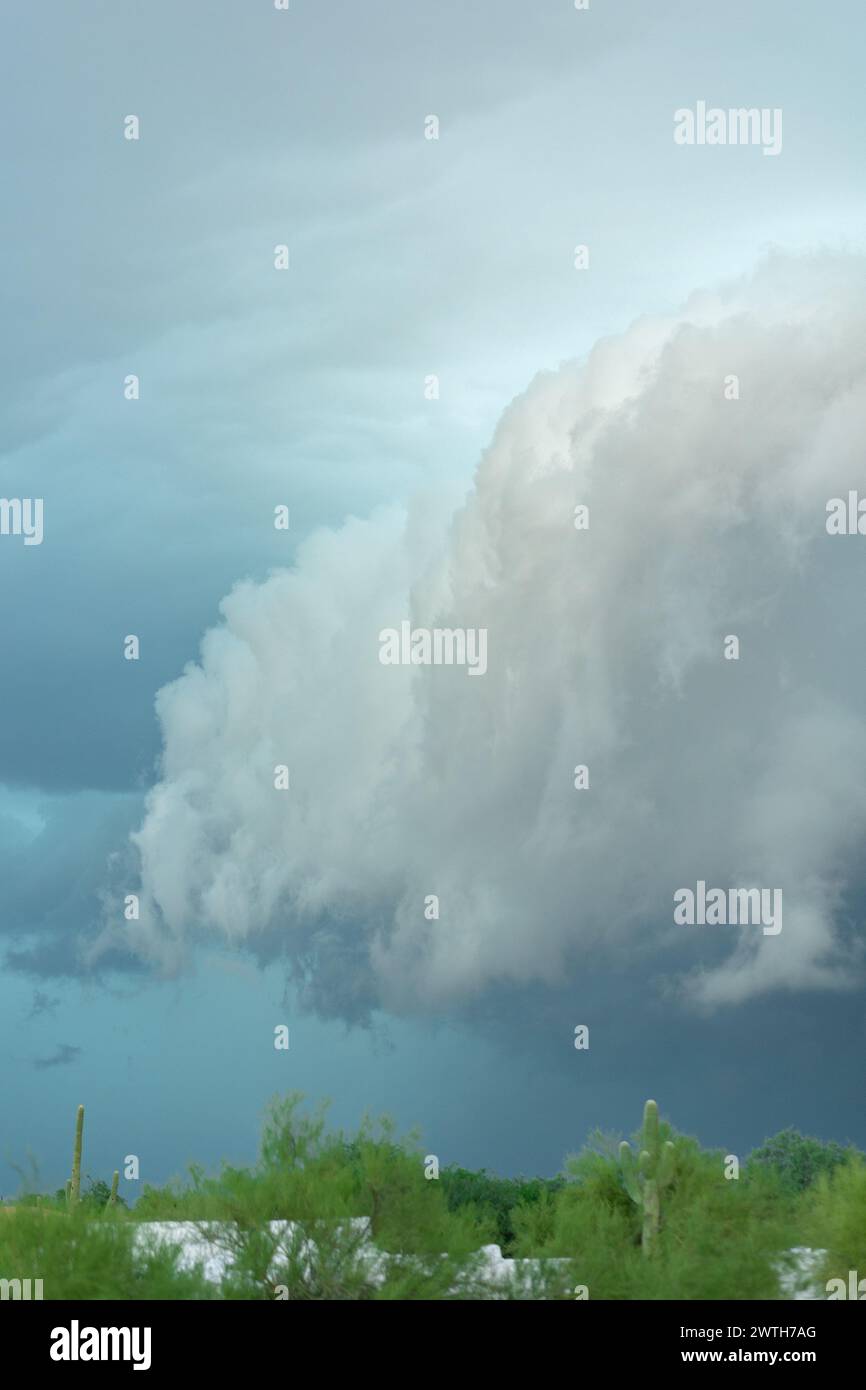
[{"x": 604, "y": 648}]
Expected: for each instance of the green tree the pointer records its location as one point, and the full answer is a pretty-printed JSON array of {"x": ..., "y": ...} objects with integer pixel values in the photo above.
[
  {"x": 495, "y": 1198},
  {"x": 797, "y": 1159}
]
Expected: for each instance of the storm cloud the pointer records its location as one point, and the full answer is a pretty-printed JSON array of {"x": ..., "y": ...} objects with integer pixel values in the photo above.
[{"x": 707, "y": 509}]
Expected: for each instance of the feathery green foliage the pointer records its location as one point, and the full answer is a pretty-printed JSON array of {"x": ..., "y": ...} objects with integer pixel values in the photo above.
[
  {"x": 77, "y": 1257},
  {"x": 836, "y": 1218},
  {"x": 325, "y": 1184}
]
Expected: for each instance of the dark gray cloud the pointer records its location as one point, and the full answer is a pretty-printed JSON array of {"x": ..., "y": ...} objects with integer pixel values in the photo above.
[{"x": 56, "y": 860}]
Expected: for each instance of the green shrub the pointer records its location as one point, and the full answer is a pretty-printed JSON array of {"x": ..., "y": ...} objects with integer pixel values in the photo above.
[
  {"x": 77, "y": 1257},
  {"x": 836, "y": 1219},
  {"x": 323, "y": 1183}
]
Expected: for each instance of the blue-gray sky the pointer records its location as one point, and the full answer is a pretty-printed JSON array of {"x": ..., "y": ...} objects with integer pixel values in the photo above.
[{"x": 412, "y": 257}]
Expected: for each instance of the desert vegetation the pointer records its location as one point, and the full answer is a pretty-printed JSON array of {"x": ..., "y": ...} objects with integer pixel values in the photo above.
[{"x": 327, "y": 1215}]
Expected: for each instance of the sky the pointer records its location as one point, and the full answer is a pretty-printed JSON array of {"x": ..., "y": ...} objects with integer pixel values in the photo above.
[{"x": 560, "y": 381}]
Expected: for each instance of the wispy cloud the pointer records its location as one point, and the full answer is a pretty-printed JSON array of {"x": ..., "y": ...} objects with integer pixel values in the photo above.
[
  {"x": 42, "y": 1004},
  {"x": 65, "y": 1053}
]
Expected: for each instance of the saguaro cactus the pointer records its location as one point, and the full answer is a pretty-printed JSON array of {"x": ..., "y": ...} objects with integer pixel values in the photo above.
[
  {"x": 75, "y": 1181},
  {"x": 112, "y": 1201},
  {"x": 648, "y": 1176}
]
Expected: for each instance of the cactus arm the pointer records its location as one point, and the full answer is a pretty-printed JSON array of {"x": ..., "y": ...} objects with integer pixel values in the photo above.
[
  {"x": 666, "y": 1165},
  {"x": 629, "y": 1171},
  {"x": 650, "y": 1137}
]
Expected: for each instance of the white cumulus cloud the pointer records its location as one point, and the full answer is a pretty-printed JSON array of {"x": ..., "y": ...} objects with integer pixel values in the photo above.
[{"x": 605, "y": 648}]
